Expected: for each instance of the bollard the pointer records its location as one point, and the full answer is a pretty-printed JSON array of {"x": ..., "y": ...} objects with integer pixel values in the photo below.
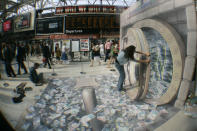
[
  {"x": 90, "y": 102},
  {"x": 89, "y": 99}
]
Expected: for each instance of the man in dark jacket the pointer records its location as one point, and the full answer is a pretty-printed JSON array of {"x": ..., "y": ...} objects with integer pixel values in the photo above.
[
  {"x": 46, "y": 55},
  {"x": 8, "y": 57},
  {"x": 37, "y": 79},
  {"x": 21, "y": 53}
]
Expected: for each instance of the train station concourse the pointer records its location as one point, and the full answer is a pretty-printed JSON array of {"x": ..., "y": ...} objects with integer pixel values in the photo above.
[{"x": 98, "y": 65}]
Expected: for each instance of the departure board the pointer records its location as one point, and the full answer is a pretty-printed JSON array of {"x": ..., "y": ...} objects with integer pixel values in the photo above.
[{"x": 91, "y": 23}]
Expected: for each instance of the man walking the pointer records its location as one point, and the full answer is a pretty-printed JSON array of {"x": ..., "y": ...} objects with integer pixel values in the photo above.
[
  {"x": 46, "y": 55},
  {"x": 8, "y": 57},
  {"x": 21, "y": 52}
]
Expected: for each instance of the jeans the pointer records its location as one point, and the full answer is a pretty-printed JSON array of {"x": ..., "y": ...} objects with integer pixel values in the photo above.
[
  {"x": 9, "y": 69},
  {"x": 21, "y": 64},
  {"x": 121, "y": 71},
  {"x": 47, "y": 62}
]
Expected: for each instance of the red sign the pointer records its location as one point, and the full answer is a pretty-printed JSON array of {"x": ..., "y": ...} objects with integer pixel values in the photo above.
[
  {"x": 95, "y": 9},
  {"x": 72, "y": 36},
  {"x": 7, "y": 26}
]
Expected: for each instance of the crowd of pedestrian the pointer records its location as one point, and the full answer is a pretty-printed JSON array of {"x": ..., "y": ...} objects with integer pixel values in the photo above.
[
  {"x": 21, "y": 51},
  {"x": 106, "y": 51},
  {"x": 10, "y": 51}
]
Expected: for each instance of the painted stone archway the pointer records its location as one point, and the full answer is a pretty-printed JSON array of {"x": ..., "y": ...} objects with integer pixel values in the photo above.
[{"x": 177, "y": 50}]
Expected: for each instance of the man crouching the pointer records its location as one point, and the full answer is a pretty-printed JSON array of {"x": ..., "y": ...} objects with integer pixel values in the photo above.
[{"x": 37, "y": 79}]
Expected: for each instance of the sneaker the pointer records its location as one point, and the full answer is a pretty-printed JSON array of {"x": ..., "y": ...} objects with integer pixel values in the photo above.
[
  {"x": 39, "y": 84},
  {"x": 124, "y": 90}
]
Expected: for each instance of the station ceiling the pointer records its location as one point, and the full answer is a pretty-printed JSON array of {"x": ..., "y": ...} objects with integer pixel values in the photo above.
[{"x": 9, "y": 8}]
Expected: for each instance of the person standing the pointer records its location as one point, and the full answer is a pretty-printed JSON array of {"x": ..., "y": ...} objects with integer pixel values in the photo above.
[
  {"x": 46, "y": 55},
  {"x": 107, "y": 50},
  {"x": 8, "y": 57},
  {"x": 58, "y": 54},
  {"x": 97, "y": 55},
  {"x": 113, "y": 54},
  {"x": 32, "y": 50},
  {"x": 102, "y": 50},
  {"x": 21, "y": 52},
  {"x": 92, "y": 55},
  {"x": 124, "y": 57}
]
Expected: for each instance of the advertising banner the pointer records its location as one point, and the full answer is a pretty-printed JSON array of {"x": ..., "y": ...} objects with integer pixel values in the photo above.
[
  {"x": 84, "y": 44},
  {"x": 66, "y": 44},
  {"x": 7, "y": 26},
  {"x": 50, "y": 25},
  {"x": 24, "y": 22},
  {"x": 75, "y": 45}
]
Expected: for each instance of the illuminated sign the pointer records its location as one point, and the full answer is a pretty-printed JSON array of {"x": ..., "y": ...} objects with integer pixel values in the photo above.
[
  {"x": 91, "y": 9},
  {"x": 53, "y": 25}
]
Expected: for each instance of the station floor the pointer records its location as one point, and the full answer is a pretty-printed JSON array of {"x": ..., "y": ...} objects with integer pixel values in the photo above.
[{"x": 14, "y": 113}]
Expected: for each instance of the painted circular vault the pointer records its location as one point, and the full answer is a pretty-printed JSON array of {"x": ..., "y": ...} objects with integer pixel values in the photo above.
[
  {"x": 161, "y": 64},
  {"x": 176, "y": 48}
]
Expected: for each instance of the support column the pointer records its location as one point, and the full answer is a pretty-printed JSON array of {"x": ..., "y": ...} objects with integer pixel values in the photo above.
[{"x": 191, "y": 56}]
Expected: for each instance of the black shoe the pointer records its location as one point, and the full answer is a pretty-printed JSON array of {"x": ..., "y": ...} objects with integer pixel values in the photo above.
[
  {"x": 9, "y": 76},
  {"x": 17, "y": 100},
  {"x": 14, "y": 76},
  {"x": 49, "y": 67}
]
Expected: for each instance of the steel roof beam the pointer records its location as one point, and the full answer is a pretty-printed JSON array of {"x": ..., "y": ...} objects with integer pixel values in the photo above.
[{"x": 18, "y": 5}]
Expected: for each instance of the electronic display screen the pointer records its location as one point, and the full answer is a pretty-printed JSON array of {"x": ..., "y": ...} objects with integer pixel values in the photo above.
[{"x": 49, "y": 25}]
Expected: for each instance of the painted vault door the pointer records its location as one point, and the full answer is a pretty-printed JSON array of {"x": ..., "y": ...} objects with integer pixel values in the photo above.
[
  {"x": 137, "y": 74},
  {"x": 159, "y": 81}
]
